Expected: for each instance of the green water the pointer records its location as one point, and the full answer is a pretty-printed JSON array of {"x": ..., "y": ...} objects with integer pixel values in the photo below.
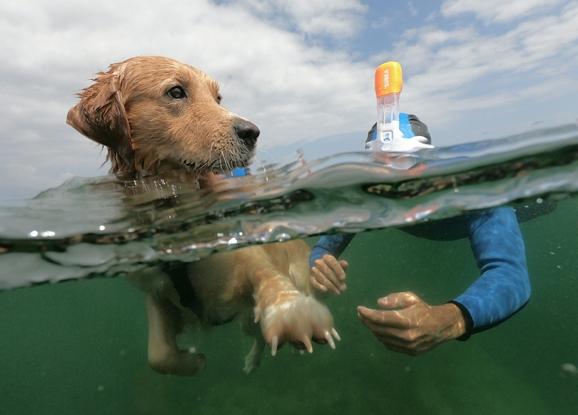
[{"x": 80, "y": 347}]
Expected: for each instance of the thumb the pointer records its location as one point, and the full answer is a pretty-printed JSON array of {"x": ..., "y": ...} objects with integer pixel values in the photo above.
[{"x": 398, "y": 300}]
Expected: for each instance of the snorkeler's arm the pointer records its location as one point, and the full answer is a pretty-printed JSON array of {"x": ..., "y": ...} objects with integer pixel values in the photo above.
[
  {"x": 327, "y": 272},
  {"x": 503, "y": 286},
  {"x": 330, "y": 244}
]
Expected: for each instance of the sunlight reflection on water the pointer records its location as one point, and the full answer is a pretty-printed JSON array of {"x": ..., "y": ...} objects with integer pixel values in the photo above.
[{"x": 100, "y": 226}]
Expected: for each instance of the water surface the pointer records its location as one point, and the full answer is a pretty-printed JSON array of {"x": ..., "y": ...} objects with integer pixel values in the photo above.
[
  {"x": 97, "y": 227},
  {"x": 80, "y": 347}
]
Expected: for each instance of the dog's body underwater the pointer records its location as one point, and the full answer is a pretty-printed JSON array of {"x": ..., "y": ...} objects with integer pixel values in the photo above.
[{"x": 159, "y": 117}]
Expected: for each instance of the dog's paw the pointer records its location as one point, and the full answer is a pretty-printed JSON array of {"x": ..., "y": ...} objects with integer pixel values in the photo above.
[
  {"x": 296, "y": 318},
  {"x": 182, "y": 363}
]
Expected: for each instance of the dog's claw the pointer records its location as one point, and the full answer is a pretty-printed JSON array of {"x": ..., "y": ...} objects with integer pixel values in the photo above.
[
  {"x": 257, "y": 313},
  {"x": 307, "y": 342},
  {"x": 335, "y": 334},
  {"x": 329, "y": 340},
  {"x": 274, "y": 342}
]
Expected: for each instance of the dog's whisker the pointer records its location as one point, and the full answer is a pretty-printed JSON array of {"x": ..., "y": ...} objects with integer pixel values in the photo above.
[
  {"x": 205, "y": 165},
  {"x": 211, "y": 149},
  {"x": 225, "y": 161}
]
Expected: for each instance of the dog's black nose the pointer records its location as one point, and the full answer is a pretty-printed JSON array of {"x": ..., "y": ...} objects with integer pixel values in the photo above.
[{"x": 247, "y": 132}]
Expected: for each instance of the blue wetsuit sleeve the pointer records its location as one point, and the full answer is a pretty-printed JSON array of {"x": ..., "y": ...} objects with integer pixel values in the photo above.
[
  {"x": 503, "y": 286},
  {"x": 330, "y": 244}
]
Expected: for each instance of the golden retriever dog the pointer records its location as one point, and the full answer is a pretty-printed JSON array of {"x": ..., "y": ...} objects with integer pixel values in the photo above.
[{"x": 158, "y": 117}]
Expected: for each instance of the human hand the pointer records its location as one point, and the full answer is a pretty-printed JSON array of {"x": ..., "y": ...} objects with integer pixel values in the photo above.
[
  {"x": 328, "y": 274},
  {"x": 407, "y": 324}
]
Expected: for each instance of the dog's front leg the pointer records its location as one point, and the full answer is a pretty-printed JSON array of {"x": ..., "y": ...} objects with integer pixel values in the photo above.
[{"x": 164, "y": 355}]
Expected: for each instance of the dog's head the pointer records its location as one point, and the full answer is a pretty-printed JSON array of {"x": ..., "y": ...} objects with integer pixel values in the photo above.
[{"x": 155, "y": 114}]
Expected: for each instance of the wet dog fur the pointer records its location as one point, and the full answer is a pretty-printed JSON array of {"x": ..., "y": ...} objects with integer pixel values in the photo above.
[{"x": 159, "y": 117}]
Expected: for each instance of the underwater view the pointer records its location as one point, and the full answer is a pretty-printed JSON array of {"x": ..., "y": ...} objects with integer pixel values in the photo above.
[
  {"x": 74, "y": 330},
  {"x": 195, "y": 219}
]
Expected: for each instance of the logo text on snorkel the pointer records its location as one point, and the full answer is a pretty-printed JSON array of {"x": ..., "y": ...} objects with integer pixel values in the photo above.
[{"x": 385, "y": 79}]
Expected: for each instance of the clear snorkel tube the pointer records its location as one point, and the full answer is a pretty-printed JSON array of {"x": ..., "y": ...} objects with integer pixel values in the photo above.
[{"x": 389, "y": 137}]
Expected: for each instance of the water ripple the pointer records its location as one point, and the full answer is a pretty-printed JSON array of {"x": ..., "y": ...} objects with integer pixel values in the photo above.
[{"x": 103, "y": 227}]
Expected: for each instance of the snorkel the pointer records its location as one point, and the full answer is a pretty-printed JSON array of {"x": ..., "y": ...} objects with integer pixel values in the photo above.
[{"x": 389, "y": 137}]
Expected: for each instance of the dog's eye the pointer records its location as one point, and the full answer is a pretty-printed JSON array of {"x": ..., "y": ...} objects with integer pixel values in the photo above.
[
  {"x": 177, "y": 92},
  {"x": 219, "y": 98}
]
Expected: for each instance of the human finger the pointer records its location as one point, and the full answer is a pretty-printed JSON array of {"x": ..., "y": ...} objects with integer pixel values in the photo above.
[
  {"x": 335, "y": 266},
  {"x": 329, "y": 274},
  {"x": 398, "y": 300},
  {"x": 391, "y": 340},
  {"x": 382, "y": 317},
  {"x": 322, "y": 279},
  {"x": 398, "y": 333}
]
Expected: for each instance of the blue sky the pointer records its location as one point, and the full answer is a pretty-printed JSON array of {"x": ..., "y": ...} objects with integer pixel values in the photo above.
[{"x": 300, "y": 69}]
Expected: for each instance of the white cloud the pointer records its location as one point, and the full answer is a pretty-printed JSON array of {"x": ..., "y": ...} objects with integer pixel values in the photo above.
[
  {"x": 496, "y": 10},
  {"x": 291, "y": 88},
  {"x": 55, "y": 51},
  {"x": 336, "y": 18},
  {"x": 457, "y": 72},
  {"x": 270, "y": 60}
]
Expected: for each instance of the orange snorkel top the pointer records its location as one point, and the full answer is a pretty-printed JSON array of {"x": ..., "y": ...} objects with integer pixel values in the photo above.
[{"x": 388, "y": 79}]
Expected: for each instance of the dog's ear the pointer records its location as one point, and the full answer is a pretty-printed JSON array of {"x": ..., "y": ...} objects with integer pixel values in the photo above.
[{"x": 100, "y": 115}]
